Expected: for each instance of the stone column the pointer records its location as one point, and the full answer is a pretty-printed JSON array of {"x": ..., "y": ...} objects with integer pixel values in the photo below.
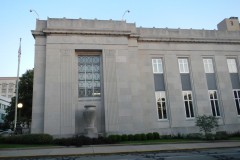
[{"x": 89, "y": 115}]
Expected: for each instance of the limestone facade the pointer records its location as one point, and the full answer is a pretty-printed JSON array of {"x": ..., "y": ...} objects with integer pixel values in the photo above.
[{"x": 142, "y": 79}]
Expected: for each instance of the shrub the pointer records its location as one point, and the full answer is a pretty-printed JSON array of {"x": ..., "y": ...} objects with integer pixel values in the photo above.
[
  {"x": 150, "y": 136},
  {"x": 194, "y": 136},
  {"x": 235, "y": 134},
  {"x": 29, "y": 139},
  {"x": 166, "y": 136},
  {"x": 12, "y": 140},
  {"x": 119, "y": 138},
  {"x": 206, "y": 123},
  {"x": 179, "y": 136},
  {"x": 137, "y": 137},
  {"x": 124, "y": 137},
  {"x": 100, "y": 140},
  {"x": 209, "y": 136},
  {"x": 78, "y": 140},
  {"x": 156, "y": 135},
  {"x": 130, "y": 137},
  {"x": 63, "y": 141},
  {"x": 221, "y": 135},
  {"x": 112, "y": 138},
  {"x": 85, "y": 140},
  {"x": 143, "y": 137},
  {"x": 37, "y": 139}
]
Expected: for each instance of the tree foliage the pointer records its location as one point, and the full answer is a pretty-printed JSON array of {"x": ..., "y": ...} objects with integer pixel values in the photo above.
[
  {"x": 25, "y": 92},
  {"x": 206, "y": 123}
]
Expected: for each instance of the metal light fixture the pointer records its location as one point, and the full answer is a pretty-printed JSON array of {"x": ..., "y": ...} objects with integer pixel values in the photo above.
[
  {"x": 32, "y": 10},
  {"x": 20, "y": 105},
  {"x": 127, "y": 11}
]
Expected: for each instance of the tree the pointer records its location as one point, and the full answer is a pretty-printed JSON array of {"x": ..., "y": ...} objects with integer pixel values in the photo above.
[
  {"x": 25, "y": 92},
  {"x": 206, "y": 123}
]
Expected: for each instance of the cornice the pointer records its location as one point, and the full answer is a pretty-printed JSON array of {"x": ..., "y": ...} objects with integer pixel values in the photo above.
[
  {"x": 188, "y": 40},
  {"x": 139, "y": 38},
  {"x": 87, "y": 32}
]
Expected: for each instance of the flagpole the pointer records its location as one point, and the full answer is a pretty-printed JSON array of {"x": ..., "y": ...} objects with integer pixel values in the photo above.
[{"x": 16, "y": 100}]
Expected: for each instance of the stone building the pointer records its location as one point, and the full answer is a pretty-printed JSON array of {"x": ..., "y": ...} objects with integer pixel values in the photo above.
[
  {"x": 140, "y": 79},
  {"x": 8, "y": 86},
  {"x": 4, "y": 104}
]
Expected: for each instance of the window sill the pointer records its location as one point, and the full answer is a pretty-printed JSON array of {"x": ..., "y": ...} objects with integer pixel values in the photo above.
[
  {"x": 89, "y": 99},
  {"x": 190, "y": 119},
  {"x": 163, "y": 120}
]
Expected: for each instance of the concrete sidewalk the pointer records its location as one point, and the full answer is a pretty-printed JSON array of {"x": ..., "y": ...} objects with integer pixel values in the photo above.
[{"x": 111, "y": 149}]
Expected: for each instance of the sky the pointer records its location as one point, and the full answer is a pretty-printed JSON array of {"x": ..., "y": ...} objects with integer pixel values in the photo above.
[{"x": 17, "y": 21}]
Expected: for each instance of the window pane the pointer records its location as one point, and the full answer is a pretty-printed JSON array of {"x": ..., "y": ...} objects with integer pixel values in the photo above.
[
  {"x": 181, "y": 68},
  {"x": 187, "y": 109},
  {"x": 237, "y": 105},
  {"x": 190, "y": 96},
  {"x": 208, "y": 66},
  {"x": 81, "y": 92},
  {"x": 161, "y": 105},
  {"x": 232, "y": 66},
  {"x": 217, "y": 108},
  {"x": 213, "y": 108},
  {"x": 183, "y": 65},
  {"x": 211, "y": 95},
  {"x": 191, "y": 109},
  {"x": 159, "y": 110},
  {"x": 160, "y": 68},
  {"x": 154, "y": 68},
  {"x": 157, "y": 65},
  {"x": 185, "y": 96},
  {"x": 237, "y": 100},
  {"x": 235, "y": 94},
  {"x": 164, "y": 110},
  {"x": 89, "y": 76},
  {"x": 215, "y": 95},
  {"x": 186, "y": 68}
]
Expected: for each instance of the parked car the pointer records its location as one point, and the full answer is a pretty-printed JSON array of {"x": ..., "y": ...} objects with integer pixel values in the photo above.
[{"x": 6, "y": 132}]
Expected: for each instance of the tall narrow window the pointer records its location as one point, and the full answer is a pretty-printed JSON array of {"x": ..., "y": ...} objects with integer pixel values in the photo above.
[
  {"x": 214, "y": 102},
  {"x": 160, "y": 95},
  {"x": 183, "y": 65},
  {"x": 237, "y": 99},
  {"x": 188, "y": 103},
  {"x": 157, "y": 65},
  {"x": 161, "y": 105},
  {"x": 89, "y": 76},
  {"x": 233, "y": 71},
  {"x": 186, "y": 87},
  {"x": 208, "y": 65},
  {"x": 232, "y": 66}
]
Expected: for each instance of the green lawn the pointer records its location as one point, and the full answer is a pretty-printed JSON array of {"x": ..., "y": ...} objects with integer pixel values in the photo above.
[{"x": 147, "y": 142}]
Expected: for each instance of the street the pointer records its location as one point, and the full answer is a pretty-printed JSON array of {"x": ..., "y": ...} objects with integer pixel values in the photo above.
[{"x": 208, "y": 154}]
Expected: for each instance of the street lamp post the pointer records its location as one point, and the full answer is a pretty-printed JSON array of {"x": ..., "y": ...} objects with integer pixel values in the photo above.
[
  {"x": 18, "y": 129},
  {"x": 20, "y": 105}
]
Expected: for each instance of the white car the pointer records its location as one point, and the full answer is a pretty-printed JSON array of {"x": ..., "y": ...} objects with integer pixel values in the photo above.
[{"x": 6, "y": 132}]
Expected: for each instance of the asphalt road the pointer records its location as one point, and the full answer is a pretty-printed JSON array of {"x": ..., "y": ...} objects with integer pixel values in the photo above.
[{"x": 209, "y": 154}]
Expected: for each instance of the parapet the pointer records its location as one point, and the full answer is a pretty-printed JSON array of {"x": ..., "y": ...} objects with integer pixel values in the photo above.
[{"x": 122, "y": 28}]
